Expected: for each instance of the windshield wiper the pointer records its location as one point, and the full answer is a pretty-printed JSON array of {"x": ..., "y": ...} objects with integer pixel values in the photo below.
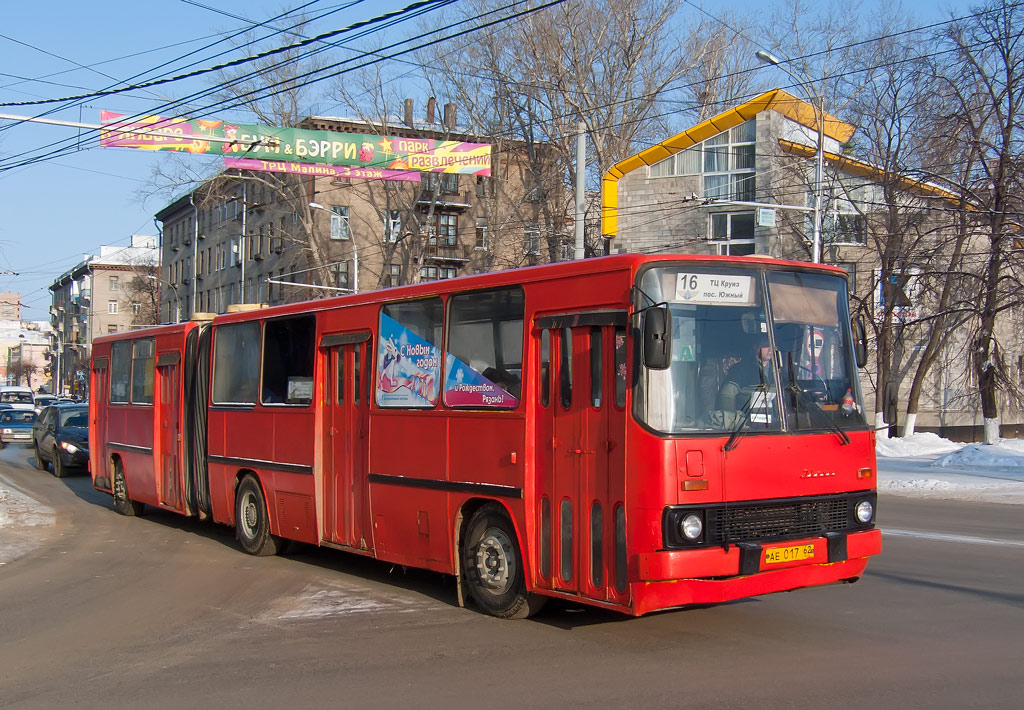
[{"x": 829, "y": 422}]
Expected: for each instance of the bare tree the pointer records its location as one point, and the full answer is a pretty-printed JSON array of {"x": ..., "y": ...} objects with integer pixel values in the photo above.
[
  {"x": 983, "y": 85},
  {"x": 608, "y": 65}
]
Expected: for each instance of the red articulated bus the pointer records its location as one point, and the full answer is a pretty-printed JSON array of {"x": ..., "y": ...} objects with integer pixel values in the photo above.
[{"x": 632, "y": 432}]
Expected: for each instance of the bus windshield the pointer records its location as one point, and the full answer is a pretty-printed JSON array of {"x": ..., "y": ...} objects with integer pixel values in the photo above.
[{"x": 751, "y": 351}]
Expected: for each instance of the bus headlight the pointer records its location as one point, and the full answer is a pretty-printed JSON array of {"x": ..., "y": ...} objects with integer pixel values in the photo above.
[
  {"x": 692, "y": 527},
  {"x": 864, "y": 511}
]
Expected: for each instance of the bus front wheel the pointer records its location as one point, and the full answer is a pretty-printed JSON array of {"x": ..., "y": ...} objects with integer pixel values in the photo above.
[
  {"x": 493, "y": 566},
  {"x": 252, "y": 524}
]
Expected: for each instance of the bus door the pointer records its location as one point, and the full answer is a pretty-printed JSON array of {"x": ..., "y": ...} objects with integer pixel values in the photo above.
[
  {"x": 168, "y": 437},
  {"x": 347, "y": 442},
  {"x": 99, "y": 392},
  {"x": 581, "y": 435}
]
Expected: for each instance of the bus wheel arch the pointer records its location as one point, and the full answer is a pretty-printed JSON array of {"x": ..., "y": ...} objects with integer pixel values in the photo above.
[
  {"x": 252, "y": 516},
  {"x": 491, "y": 565}
]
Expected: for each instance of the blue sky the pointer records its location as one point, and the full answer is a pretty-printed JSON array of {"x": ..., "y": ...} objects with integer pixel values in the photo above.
[{"x": 55, "y": 211}]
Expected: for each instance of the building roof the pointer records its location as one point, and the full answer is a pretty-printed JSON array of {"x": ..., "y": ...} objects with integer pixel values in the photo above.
[
  {"x": 873, "y": 172},
  {"x": 777, "y": 100}
]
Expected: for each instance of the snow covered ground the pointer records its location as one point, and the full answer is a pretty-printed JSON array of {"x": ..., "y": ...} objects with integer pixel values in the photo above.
[
  {"x": 23, "y": 522},
  {"x": 925, "y": 466}
]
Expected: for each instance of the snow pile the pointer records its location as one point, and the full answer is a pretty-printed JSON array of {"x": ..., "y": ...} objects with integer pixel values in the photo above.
[
  {"x": 1007, "y": 453},
  {"x": 923, "y": 444}
]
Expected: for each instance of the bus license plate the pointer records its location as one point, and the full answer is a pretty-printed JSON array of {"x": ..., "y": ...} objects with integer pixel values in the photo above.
[{"x": 778, "y": 555}]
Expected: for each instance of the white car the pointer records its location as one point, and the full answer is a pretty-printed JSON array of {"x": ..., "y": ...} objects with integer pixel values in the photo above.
[{"x": 18, "y": 397}]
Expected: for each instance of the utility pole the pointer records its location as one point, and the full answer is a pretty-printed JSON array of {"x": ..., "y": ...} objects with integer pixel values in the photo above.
[
  {"x": 241, "y": 247},
  {"x": 581, "y": 208}
]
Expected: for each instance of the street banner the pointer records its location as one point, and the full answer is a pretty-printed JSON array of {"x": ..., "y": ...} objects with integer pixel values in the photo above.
[
  {"x": 333, "y": 171},
  {"x": 295, "y": 145}
]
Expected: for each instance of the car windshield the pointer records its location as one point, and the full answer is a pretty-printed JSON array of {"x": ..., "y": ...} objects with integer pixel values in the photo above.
[
  {"x": 16, "y": 397},
  {"x": 74, "y": 417},
  {"x": 751, "y": 351},
  {"x": 12, "y": 417}
]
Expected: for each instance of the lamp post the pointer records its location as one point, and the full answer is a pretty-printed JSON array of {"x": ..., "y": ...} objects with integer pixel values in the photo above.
[
  {"x": 819, "y": 167},
  {"x": 174, "y": 289}
]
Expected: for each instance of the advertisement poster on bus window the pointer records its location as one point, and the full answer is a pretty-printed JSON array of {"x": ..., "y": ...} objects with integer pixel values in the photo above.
[
  {"x": 465, "y": 387},
  {"x": 408, "y": 367}
]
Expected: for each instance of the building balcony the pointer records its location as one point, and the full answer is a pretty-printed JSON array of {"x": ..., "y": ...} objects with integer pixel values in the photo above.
[
  {"x": 443, "y": 200},
  {"x": 438, "y": 252}
]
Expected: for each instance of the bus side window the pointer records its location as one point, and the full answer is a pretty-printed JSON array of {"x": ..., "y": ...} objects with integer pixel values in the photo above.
[
  {"x": 409, "y": 354},
  {"x": 236, "y": 363},
  {"x": 485, "y": 349},
  {"x": 596, "y": 373},
  {"x": 142, "y": 371},
  {"x": 288, "y": 361},
  {"x": 120, "y": 371}
]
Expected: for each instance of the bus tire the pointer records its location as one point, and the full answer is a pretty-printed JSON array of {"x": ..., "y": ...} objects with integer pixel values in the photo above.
[
  {"x": 40, "y": 464},
  {"x": 58, "y": 466},
  {"x": 122, "y": 503},
  {"x": 493, "y": 566},
  {"x": 252, "y": 523}
]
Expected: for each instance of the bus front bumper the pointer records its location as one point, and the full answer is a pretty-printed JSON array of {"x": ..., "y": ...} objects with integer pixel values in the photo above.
[{"x": 713, "y": 575}]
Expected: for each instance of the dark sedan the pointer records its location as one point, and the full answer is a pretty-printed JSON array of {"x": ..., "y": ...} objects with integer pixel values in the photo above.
[
  {"x": 61, "y": 437},
  {"x": 16, "y": 427}
]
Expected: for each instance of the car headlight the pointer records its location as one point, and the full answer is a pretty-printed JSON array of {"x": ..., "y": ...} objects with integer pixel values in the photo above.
[
  {"x": 864, "y": 511},
  {"x": 7, "y": 431},
  {"x": 691, "y": 526},
  {"x": 68, "y": 446}
]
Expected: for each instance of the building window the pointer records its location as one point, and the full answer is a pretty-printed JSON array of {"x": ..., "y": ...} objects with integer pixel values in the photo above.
[
  {"x": 436, "y": 273},
  {"x": 844, "y": 227},
  {"x": 531, "y": 185},
  {"x": 393, "y": 225},
  {"x": 136, "y": 308},
  {"x": 339, "y": 222},
  {"x": 484, "y": 186},
  {"x": 481, "y": 233},
  {"x": 733, "y": 233},
  {"x": 531, "y": 239},
  {"x": 112, "y": 307},
  {"x": 449, "y": 183},
  {"x": 340, "y": 274},
  {"x": 113, "y": 283},
  {"x": 726, "y": 161},
  {"x": 447, "y": 229},
  {"x": 112, "y": 328},
  {"x": 395, "y": 275}
]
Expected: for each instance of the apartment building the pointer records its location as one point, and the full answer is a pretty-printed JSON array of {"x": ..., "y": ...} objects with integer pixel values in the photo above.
[{"x": 249, "y": 237}]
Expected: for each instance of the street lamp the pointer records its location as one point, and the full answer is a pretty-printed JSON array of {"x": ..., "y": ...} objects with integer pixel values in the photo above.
[
  {"x": 818, "y": 102},
  {"x": 177, "y": 303}
]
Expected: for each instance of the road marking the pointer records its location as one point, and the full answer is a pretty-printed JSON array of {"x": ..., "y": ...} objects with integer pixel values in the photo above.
[{"x": 945, "y": 537}]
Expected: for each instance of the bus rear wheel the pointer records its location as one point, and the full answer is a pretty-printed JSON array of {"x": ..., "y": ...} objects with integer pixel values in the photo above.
[
  {"x": 122, "y": 503},
  {"x": 493, "y": 566},
  {"x": 252, "y": 524}
]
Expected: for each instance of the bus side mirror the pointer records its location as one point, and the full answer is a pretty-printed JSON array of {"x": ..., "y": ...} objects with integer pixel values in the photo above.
[
  {"x": 657, "y": 338},
  {"x": 860, "y": 342}
]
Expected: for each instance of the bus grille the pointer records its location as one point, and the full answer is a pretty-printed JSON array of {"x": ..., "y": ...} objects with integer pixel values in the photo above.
[{"x": 767, "y": 521}]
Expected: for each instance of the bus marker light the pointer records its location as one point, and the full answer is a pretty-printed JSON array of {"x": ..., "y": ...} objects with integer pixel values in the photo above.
[
  {"x": 864, "y": 473},
  {"x": 695, "y": 485}
]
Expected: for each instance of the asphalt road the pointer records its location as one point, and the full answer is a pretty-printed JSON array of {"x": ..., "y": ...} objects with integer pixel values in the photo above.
[{"x": 164, "y": 612}]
